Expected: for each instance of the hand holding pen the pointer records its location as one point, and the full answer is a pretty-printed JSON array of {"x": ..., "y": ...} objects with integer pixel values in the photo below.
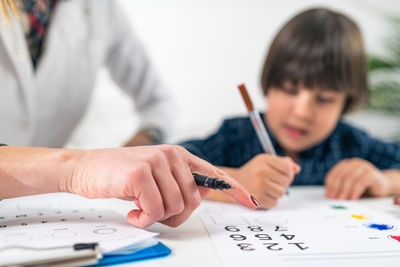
[
  {"x": 158, "y": 179},
  {"x": 269, "y": 173},
  {"x": 266, "y": 177}
]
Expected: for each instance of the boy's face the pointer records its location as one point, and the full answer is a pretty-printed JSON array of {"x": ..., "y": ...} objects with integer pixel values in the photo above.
[{"x": 300, "y": 118}]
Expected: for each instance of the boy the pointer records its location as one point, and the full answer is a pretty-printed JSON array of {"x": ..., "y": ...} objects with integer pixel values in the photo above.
[{"x": 314, "y": 73}]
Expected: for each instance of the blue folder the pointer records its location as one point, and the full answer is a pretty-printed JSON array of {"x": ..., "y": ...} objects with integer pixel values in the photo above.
[{"x": 156, "y": 251}]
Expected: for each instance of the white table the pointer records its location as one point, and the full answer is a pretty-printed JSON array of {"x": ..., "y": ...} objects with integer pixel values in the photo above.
[{"x": 191, "y": 244}]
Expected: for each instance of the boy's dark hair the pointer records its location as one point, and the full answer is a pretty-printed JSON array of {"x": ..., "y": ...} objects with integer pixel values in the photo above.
[{"x": 320, "y": 48}]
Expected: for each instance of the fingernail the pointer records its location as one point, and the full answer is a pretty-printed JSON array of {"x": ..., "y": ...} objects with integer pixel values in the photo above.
[
  {"x": 396, "y": 200},
  {"x": 254, "y": 201}
]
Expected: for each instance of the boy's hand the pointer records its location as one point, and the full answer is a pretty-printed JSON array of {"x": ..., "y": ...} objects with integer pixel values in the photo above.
[
  {"x": 350, "y": 178},
  {"x": 266, "y": 177}
]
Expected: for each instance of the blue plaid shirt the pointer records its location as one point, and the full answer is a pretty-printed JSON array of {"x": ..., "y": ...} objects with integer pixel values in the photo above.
[{"x": 235, "y": 143}]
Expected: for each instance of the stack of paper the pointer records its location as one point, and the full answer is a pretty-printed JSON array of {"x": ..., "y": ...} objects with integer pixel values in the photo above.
[{"x": 44, "y": 226}]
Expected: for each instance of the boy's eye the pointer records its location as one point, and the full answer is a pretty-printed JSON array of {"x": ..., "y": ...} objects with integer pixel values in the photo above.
[
  {"x": 289, "y": 90},
  {"x": 325, "y": 99}
]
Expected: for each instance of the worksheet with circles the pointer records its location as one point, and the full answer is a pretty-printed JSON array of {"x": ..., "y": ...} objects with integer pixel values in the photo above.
[
  {"x": 60, "y": 219},
  {"x": 303, "y": 231}
]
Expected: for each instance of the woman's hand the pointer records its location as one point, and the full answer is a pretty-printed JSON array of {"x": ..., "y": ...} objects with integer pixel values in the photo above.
[{"x": 157, "y": 178}]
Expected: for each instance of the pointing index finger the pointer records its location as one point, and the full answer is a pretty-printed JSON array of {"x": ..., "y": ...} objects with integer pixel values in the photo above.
[{"x": 238, "y": 192}]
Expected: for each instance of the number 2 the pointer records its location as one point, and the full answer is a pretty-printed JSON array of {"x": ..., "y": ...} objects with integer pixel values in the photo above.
[{"x": 271, "y": 246}]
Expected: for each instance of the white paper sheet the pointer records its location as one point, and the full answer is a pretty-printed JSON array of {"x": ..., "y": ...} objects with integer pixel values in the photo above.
[
  {"x": 304, "y": 230},
  {"x": 52, "y": 220}
]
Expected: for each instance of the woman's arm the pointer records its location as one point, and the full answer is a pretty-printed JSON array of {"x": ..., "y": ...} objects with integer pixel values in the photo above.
[
  {"x": 28, "y": 171},
  {"x": 157, "y": 178},
  {"x": 131, "y": 68}
]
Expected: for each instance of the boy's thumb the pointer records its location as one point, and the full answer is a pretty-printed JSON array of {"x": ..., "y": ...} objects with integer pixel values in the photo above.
[{"x": 296, "y": 168}]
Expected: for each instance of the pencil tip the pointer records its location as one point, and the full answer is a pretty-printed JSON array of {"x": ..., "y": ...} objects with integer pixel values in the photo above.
[
  {"x": 222, "y": 185},
  {"x": 227, "y": 186}
]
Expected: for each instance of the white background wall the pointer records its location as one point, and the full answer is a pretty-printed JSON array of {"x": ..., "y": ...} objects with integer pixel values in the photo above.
[{"x": 203, "y": 49}]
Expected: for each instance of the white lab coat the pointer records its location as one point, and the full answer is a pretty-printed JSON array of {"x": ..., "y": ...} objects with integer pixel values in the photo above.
[{"x": 42, "y": 108}]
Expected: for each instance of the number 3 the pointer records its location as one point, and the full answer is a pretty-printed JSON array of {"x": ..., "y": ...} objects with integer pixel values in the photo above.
[{"x": 246, "y": 246}]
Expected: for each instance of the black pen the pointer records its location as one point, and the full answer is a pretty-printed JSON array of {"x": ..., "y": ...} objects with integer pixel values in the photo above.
[{"x": 210, "y": 182}]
